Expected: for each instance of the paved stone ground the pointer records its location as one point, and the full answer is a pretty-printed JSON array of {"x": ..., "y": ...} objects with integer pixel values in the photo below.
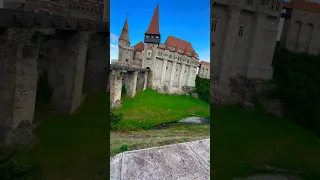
[
  {"x": 195, "y": 120},
  {"x": 181, "y": 161}
]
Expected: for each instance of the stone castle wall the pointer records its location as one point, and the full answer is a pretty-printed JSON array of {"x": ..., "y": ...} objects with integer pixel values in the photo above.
[
  {"x": 243, "y": 37},
  {"x": 301, "y": 32}
]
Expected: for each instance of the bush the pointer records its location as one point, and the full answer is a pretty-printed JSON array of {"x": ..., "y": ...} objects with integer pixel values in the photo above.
[
  {"x": 124, "y": 148},
  {"x": 11, "y": 168},
  {"x": 298, "y": 85},
  {"x": 114, "y": 119},
  {"x": 203, "y": 88}
]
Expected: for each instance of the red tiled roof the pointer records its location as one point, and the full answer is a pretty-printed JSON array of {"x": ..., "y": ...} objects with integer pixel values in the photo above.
[
  {"x": 139, "y": 46},
  {"x": 287, "y": 5},
  {"x": 204, "y": 63},
  {"x": 125, "y": 32},
  {"x": 154, "y": 24},
  {"x": 180, "y": 44},
  {"x": 303, "y": 5}
]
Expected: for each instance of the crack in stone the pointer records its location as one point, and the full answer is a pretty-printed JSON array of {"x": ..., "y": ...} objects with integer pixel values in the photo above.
[{"x": 199, "y": 157}]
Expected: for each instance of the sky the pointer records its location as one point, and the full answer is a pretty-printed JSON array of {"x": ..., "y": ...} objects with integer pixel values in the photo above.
[{"x": 185, "y": 19}]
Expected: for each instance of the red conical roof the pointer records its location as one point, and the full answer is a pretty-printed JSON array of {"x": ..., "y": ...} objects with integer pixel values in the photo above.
[
  {"x": 125, "y": 32},
  {"x": 154, "y": 24}
]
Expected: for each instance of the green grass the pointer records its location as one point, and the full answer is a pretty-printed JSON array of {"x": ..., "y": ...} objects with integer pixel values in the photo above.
[
  {"x": 242, "y": 140},
  {"x": 73, "y": 146},
  {"x": 149, "y": 108}
]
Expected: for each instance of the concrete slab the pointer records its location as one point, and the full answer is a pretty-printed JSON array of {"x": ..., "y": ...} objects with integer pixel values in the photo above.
[{"x": 181, "y": 161}]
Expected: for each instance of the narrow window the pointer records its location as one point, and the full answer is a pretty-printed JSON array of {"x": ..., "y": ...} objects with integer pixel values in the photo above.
[
  {"x": 214, "y": 26},
  {"x": 240, "y": 33},
  {"x": 249, "y": 2}
]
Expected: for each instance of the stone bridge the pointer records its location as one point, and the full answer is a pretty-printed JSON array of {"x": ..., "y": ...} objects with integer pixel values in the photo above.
[
  {"x": 74, "y": 52},
  {"x": 133, "y": 78}
]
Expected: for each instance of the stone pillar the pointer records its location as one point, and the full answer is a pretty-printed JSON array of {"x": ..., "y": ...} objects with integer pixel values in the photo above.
[
  {"x": 190, "y": 76},
  {"x": 229, "y": 43},
  {"x": 132, "y": 84},
  {"x": 163, "y": 73},
  {"x": 222, "y": 91},
  {"x": 106, "y": 11},
  {"x": 115, "y": 80},
  {"x": 174, "y": 64},
  {"x": 18, "y": 84},
  {"x": 256, "y": 44},
  {"x": 149, "y": 80},
  {"x": 98, "y": 65},
  {"x": 141, "y": 80},
  {"x": 181, "y": 75},
  {"x": 145, "y": 75},
  {"x": 66, "y": 52}
]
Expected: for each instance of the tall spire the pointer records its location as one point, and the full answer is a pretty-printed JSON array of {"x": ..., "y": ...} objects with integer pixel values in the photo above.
[
  {"x": 125, "y": 31},
  {"x": 154, "y": 24}
]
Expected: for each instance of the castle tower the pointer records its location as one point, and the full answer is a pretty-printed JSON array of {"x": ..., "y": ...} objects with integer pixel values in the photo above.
[
  {"x": 125, "y": 51},
  {"x": 124, "y": 39},
  {"x": 152, "y": 35}
]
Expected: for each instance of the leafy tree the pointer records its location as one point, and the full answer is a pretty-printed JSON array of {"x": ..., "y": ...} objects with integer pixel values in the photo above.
[
  {"x": 203, "y": 88},
  {"x": 297, "y": 80}
]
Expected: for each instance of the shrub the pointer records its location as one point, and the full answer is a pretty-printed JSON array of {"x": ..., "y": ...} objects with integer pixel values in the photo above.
[
  {"x": 124, "y": 148},
  {"x": 298, "y": 85},
  {"x": 114, "y": 119},
  {"x": 203, "y": 88},
  {"x": 11, "y": 168}
]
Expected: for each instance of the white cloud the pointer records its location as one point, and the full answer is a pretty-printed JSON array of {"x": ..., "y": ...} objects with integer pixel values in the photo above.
[
  {"x": 113, "y": 37},
  {"x": 113, "y": 51}
]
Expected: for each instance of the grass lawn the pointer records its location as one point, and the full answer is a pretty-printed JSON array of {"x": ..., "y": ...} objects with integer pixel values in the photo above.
[
  {"x": 74, "y": 146},
  {"x": 242, "y": 140},
  {"x": 149, "y": 108}
]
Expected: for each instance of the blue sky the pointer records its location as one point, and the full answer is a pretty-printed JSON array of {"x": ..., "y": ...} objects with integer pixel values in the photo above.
[{"x": 185, "y": 19}]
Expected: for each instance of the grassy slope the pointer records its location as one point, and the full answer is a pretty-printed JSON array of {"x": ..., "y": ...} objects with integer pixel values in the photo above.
[
  {"x": 149, "y": 108},
  {"x": 242, "y": 138},
  {"x": 159, "y": 137},
  {"x": 74, "y": 146}
]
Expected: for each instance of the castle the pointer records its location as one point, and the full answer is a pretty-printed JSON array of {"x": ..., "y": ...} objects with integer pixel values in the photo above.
[
  {"x": 243, "y": 38},
  {"x": 300, "y": 32},
  {"x": 173, "y": 64}
]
